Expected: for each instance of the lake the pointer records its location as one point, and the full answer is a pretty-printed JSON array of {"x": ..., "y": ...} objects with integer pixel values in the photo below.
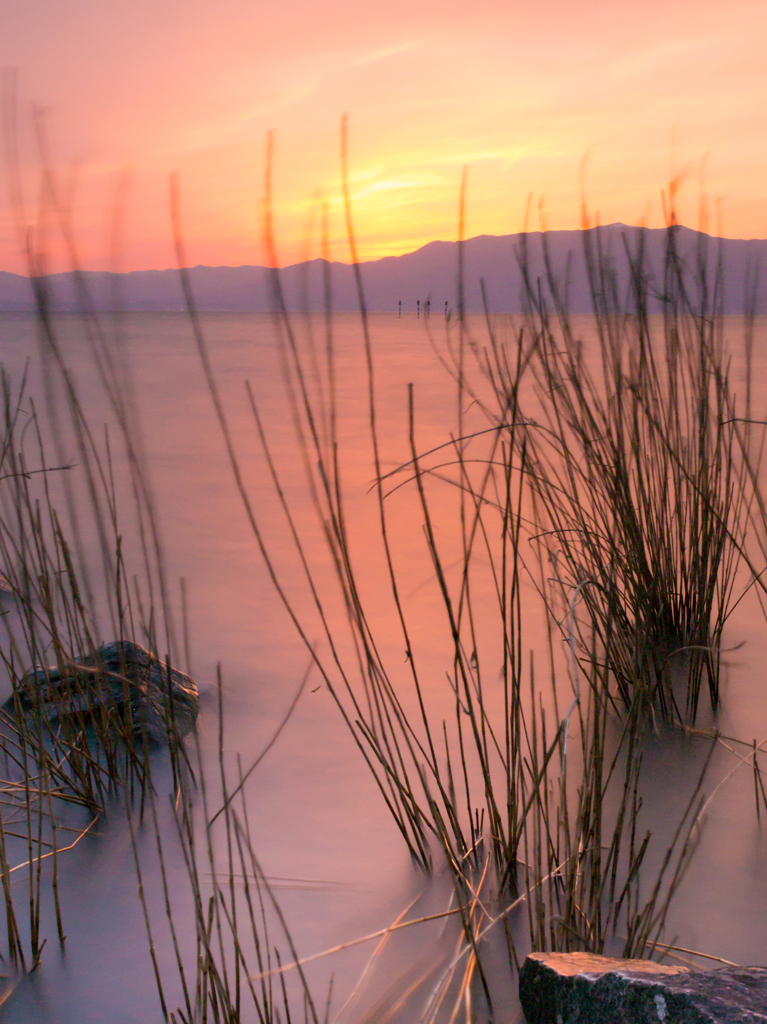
[{"x": 320, "y": 828}]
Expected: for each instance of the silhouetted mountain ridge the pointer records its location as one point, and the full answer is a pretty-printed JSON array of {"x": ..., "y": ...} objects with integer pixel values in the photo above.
[{"x": 428, "y": 273}]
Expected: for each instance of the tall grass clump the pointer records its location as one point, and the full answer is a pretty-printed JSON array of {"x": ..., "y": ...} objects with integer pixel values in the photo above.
[
  {"x": 528, "y": 794},
  {"x": 70, "y": 758},
  {"x": 73, "y": 756},
  {"x": 81, "y": 564},
  {"x": 70, "y": 749},
  {"x": 637, "y": 464},
  {"x": 66, "y": 752}
]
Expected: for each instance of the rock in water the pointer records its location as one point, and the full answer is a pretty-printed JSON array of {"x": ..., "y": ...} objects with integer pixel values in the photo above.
[
  {"x": 121, "y": 679},
  {"x": 579, "y": 988}
]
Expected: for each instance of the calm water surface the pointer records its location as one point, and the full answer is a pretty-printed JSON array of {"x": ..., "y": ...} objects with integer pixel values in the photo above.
[{"x": 321, "y": 829}]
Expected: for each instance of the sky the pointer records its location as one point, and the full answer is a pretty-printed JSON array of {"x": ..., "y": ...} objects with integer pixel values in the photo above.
[{"x": 546, "y": 104}]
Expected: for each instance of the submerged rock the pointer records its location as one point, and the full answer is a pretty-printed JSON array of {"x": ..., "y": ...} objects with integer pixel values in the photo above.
[
  {"x": 121, "y": 680},
  {"x": 580, "y": 988}
]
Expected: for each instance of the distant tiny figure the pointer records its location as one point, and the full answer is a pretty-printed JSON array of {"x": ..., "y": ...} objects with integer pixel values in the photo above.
[
  {"x": 418, "y": 308},
  {"x": 428, "y": 307},
  {"x": 400, "y": 308},
  {"x": 446, "y": 309}
]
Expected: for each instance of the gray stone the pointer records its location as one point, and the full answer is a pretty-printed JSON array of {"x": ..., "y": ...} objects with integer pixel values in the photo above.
[
  {"x": 120, "y": 679},
  {"x": 579, "y": 988}
]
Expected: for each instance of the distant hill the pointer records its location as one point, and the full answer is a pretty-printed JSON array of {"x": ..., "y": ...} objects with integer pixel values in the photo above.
[{"x": 428, "y": 273}]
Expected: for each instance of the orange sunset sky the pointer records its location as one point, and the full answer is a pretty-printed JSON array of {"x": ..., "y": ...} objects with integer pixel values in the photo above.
[{"x": 523, "y": 93}]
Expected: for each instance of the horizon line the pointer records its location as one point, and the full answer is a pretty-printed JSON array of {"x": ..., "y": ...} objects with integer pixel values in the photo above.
[{"x": 390, "y": 256}]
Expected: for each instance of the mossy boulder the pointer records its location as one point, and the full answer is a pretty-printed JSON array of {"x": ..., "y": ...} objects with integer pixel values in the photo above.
[{"x": 119, "y": 685}]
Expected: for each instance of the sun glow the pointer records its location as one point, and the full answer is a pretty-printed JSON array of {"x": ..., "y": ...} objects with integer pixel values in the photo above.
[{"x": 525, "y": 101}]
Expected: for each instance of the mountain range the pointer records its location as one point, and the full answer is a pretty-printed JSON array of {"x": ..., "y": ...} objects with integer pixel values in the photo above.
[{"x": 430, "y": 273}]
